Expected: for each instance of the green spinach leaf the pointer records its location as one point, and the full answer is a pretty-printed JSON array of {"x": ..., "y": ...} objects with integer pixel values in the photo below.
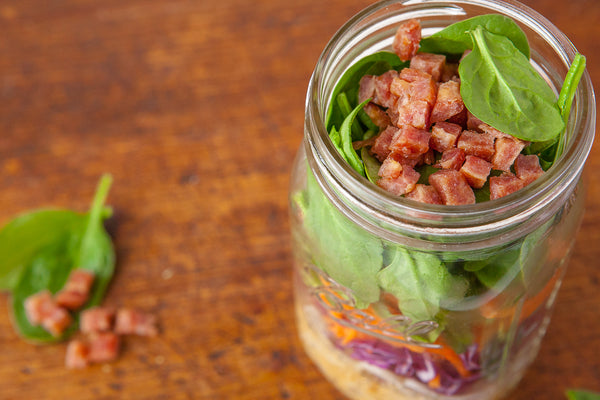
[
  {"x": 83, "y": 243},
  {"x": 347, "y": 253},
  {"x": 455, "y": 38},
  {"x": 421, "y": 283},
  {"x": 374, "y": 64},
  {"x": 346, "y": 139},
  {"x": 501, "y": 87},
  {"x": 578, "y": 394}
]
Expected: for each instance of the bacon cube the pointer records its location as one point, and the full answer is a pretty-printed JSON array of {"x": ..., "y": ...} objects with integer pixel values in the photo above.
[
  {"x": 405, "y": 182},
  {"x": 41, "y": 309},
  {"x": 390, "y": 168},
  {"x": 103, "y": 347},
  {"x": 477, "y": 144},
  {"x": 76, "y": 291},
  {"x": 452, "y": 159},
  {"x": 421, "y": 86},
  {"x": 37, "y": 306},
  {"x": 133, "y": 322},
  {"x": 476, "y": 170},
  {"x": 448, "y": 102},
  {"x": 96, "y": 319},
  {"x": 366, "y": 88},
  {"x": 452, "y": 187},
  {"x": 444, "y": 136},
  {"x": 433, "y": 64},
  {"x": 414, "y": 113},
  {"x": 378, "y": 116},
  {"x": 527, "y": 168},
  {"x": 77, "y": 355},
  {"x": 473, "y": 122},
  {"x": 504, "y": 185},
  {"x": 56, "y": 321},
  {"x": 383, "y": 96},
  {"x": 414, "y": 75},
  {"x": 506, "y": 151},
  {"x": 411, "y": 161},
  {"x": 407, "y": 39},
  {"x": 410, "y": 141},
  {"x": 381, "y": 147},
  {"x": 460, "y": 118},
  {"x": 450, "y": 71},
  {"x": 425, "y": 194}
]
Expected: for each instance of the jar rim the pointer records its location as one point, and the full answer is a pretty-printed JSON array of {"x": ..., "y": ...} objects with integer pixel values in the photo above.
[{"x": 371, "y": 202}]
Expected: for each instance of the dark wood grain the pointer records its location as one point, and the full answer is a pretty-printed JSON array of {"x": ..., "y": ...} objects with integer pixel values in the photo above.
[{"x": 196, "y": 108}]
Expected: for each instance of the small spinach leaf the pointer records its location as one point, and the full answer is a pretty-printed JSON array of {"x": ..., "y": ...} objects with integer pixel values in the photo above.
[
  {"x": 500, "y": 87},
  {"x": 372, "y": 165},
  {"x": 455, "y": 39},
  {"x": 574, "y": 394},
  {"x": 376, "y": 63},
  {"x": 83, "y": 243},
  {"x": 346, "y": 138}
]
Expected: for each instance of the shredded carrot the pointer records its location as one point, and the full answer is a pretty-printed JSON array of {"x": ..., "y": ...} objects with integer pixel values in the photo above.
[{"x": 436, "y": 382}]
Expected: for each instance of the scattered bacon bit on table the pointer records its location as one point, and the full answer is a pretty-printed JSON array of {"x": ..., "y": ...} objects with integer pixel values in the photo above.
[{"x": 423, "y": 120}]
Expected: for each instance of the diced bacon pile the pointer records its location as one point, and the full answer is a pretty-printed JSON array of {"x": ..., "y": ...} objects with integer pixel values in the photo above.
[
  {"x": 423, "y": 120},
  {"x": 101, "y": 326}
]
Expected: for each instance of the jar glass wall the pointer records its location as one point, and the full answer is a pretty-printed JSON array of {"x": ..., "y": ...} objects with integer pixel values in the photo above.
[{"x": 397, "y": 299}]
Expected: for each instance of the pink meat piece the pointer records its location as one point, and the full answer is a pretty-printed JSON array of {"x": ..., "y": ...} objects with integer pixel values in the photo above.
[
  {"x": 377, "y": 115},
  {"x": 449, "y": 71},
  {"x": 390, "y": 168},
  {"x": 37, "y": 306},
  {"x": 406, "y": 160},
  {"x": 433, "y": 64},
  {"x": 56, "y": 321},
  {"x": 448, "y": 102},
  {"x": 134, "y": 322},
  {"x": 76, "y": 290},
  {"x": 527, "y": 168},
  {"x": 410, "y": 141},
  {"x": 452, "y": 159},
  {"x": 96, "y": 319},
  {"x": 460, "y": 118},
  {"x": 404, "y": 183},
  {"x": 504, "y": 184},
  {"x": 77, "y": 354},
  {"x": 429, "y": 157},
  {"x": 452, "y": 187},
  {"x": 506, "y": 151},
  {"x": 477, "y": 144},
  {"x": 366, "y": 88},
  {"x": 407, "y": 38},
  {"x": 103, "y": 347},
  {"x": 444, "y": 136},
  {"x": 425, "y": 194},
  {"x": 473, "y": 122},
  {"x": 476, "y": 170},
  {"x": 422, "y": 87},
  {"x": 381, "y": 146},
  {"x": 41, "y": 309},
  {"x": 383, "y": 96},
  {"x": 415, "y": 114}
]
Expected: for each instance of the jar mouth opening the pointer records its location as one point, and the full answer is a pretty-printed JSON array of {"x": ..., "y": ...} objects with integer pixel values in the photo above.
[{"x": 359, "y": 193}]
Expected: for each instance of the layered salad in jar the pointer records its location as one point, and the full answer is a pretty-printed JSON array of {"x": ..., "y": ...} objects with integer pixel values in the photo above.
[{"x": 456, "y": 118}]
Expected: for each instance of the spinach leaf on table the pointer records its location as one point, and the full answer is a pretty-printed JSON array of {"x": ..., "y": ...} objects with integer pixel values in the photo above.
[
  {"x": 455, "y": 39},
  {"x": 80, "y": 243},
  {"x": 500, "y": 87},
  {"x": 578, "y": 394}
]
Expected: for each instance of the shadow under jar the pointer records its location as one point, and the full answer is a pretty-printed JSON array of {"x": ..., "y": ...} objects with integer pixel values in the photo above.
[{"x": 403, "y": 300}]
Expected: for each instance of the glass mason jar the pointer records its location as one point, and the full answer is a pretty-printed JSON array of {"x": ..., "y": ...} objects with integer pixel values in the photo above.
[{"x": 403, "y": 300}]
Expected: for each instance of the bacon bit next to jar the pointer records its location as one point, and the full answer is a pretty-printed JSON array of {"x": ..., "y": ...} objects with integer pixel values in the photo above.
[{"x": 423, "y": 120}]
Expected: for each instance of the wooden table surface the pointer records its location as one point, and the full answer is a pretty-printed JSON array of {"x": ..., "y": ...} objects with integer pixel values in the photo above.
[{"x": 196, "y": 108}]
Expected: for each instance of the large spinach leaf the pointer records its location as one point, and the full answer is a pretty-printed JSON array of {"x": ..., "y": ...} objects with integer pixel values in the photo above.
[
  {"x": 82, "y": 243},
  {"x": 421, "y": 283},
  {"x": 347, "y": 253},
  {"x": 501, "y": 87},
  {"x": 455, "y": 38}
]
